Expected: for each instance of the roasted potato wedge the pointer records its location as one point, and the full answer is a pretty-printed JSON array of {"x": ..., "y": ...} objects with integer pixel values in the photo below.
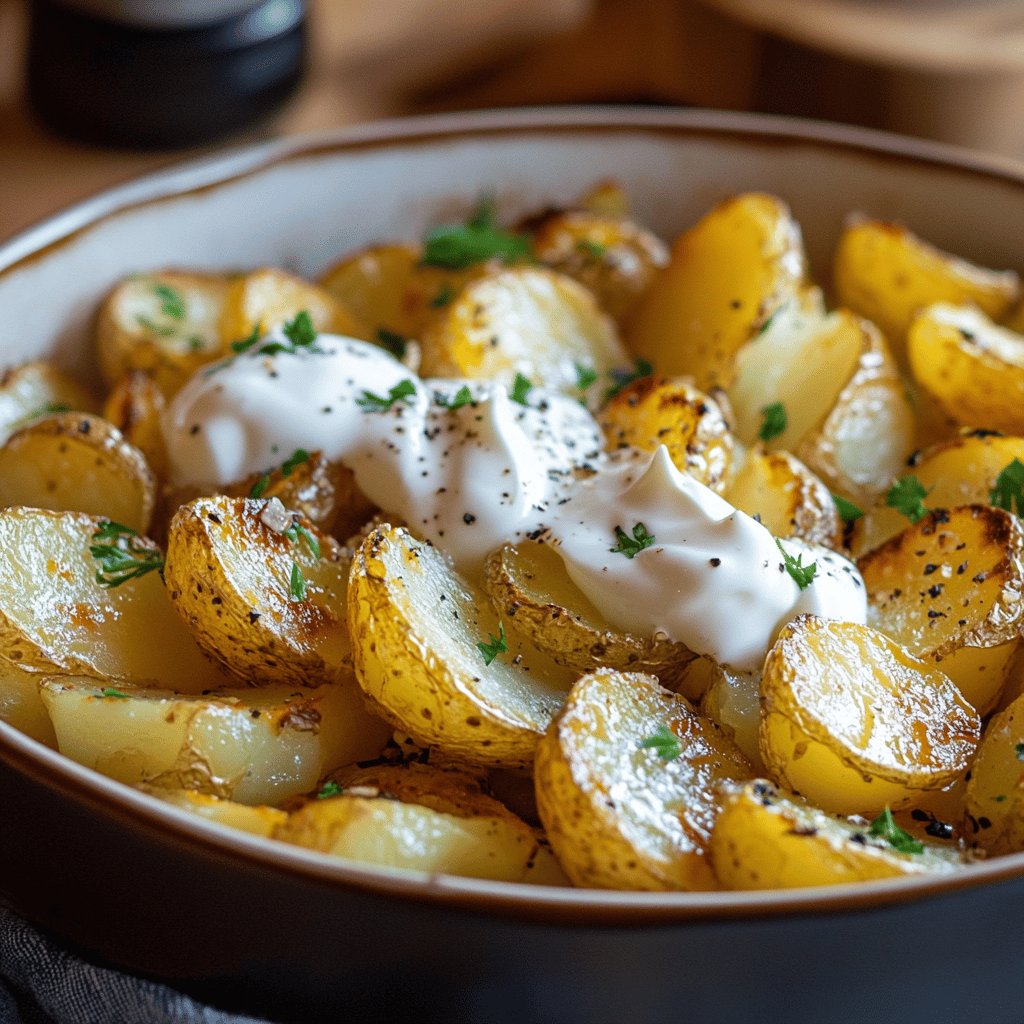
[
  {"x": 845, "y": 411},
  {"x": 854, "y": 723},
  {"x": 733, "y": 700},
  {"x": 953, "y": 582},
  {"x": 615, "y": 258},
  {"x": 259, "y": 820},
  {"x": 764, "y": 839},
  {"x": 135, "y": 405},
  {"x": 266, "y": 299},
  {"x": 251, "y": 745},
  {"x": 437, "y": 662},
  {"x": 886, "y": 273},
  {"x": 606, "y": 199},
  {"x": 57, "y": 618},
  {"x": 166, "y": 324},
  {"x": 261, "y": 589},
  {"x": 421, "y": 817},
  {"x": 789, "y": 499},
  {"x": 76, "y": 462},
  {"x": 726, "y": 276},
  {"x": 34, "y": 390},
  {"x": 21, "y": 705},
  {"x": 537, "y": 323},
  {"x": 627, "y": 780},
  {"x": 530, "y": 588},
  {"x": 655, "y": 411},
  {"x": 971, "y": 366},
  {"x": 995, "y": 791}
]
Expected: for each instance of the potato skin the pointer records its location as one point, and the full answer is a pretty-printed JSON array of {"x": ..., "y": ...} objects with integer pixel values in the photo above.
[{"x": 37, "y": 389}]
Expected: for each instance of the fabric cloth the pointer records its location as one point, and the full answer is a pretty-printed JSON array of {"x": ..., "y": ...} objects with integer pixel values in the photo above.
[{"x": 42, "y": 984}]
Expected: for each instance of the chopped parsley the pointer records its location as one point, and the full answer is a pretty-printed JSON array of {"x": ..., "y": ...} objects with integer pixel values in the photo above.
[
  {"x": 457, "y": 246},
  {"x": 802, "y": 574},
  {"x": 109, "y": 691},
  {"x": 394, "y": 342},
  {"x": 244, "y": 344},
  {"x": 259, "y": 488},
  {"x": 848, "y": 512},
  {"x": 495, "y": 645},
  {"x": 521, "y": 387},
  {"x": 195, "y": 343},
  {"x": 402, "y": 391},
  {"x": 443, "y": 297},
  {"x": 122, "y": 555},
  {"x": 885, "y": 827},
  {"x": 297, "y": 584},
  {"x": 586, "y": 376},
  {"x": 297, "y": 458},
  {"x": 299, "y": 332},
  {"x": 774, "y": 422},
  {"x": 591, "y": 249},
  {"x": 631, "y": 546},
  {"x": 297, "y": 532},
  {"x": 1008, "y": 492},
  {"x": 328, "y": 789},
  {"x": 907, "y": 497},
  {"x": 172, "y": 302},
  {"x": 768, "y": 321},
  {"x": 1019, "y": 751},
  {"x": 461, "y": 397},
  {"x": 158, "y": 330},
  {"x": 622, "y": 378},
  {"x": 664, "y": 742},
  {"x": 48, "y": 409}
]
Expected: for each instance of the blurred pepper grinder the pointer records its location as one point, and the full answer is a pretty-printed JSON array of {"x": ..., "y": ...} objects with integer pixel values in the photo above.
[{"x": 162, "y": 73}]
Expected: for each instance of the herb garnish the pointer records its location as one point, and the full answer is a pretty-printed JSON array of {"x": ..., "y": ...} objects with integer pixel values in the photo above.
[
  {"x": 297, "y": 458},
  {"x": 586, "y": 376},
  {"x": 443, "y": 297},
  {"x": 244, "y": 344},
  {"x": 774, "y": 421},
  {"x": 172, "y": 303},
  {"x": 297, "y": 532},
  {"x": 622, "y": 378},
  {"x": 109, "y": 691},
  {"x": 885, "y": 827},
  {"x": 907, "y": 497},
  {"x": 631, "y": 546},
  {"x": 1019, "y": 751},
  {"x": 521, "y": 387},
  {"x": 664, "y": 742},
  {"x": 49, "y": 409},
  {"x": 299, "y": 332},
  {"x": 495, "y": 645},
  {"x": 159, "y": 330},
  {"x": 591, "y": 249},
  {"x": 259, "y": 488},
  {"x": 122, "y": 555},
  {"x": 297, "y": 585},
  {"x": 402, "y": 391},
  {"x": 328, "y": 789},
  {"x": 394, "y": 342},
  {"x": 457, "y": 246},
  {"x": 848, "y": 512},
  {"x": 802, "y": 574},
  {"x": 461, "y": 397},
  {"x": 1008, "y": 492}
]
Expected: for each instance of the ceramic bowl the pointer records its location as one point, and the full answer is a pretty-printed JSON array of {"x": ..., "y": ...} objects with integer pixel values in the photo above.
[{"x": 287, "y": 933}]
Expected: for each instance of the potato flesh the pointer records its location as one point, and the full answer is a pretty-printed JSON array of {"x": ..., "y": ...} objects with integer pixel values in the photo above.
[
  {"x": 854, "y": 723},
  {"x": 135, "y": 405},
  {"x": 37, "y": 389},
  {"x": 766, "y": 840},
  {"x": 733, "y": 700},
  {"x": 258, "y": 821},
  {"x": 254, "y": 746},
  {"x": 21, "y": 705},
  {"x": 618, "y": 815},
  {"x": 78, "y": 463}
]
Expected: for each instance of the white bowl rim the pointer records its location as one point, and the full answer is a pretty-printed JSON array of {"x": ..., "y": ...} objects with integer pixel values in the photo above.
[{"x": 564, "y": 906}]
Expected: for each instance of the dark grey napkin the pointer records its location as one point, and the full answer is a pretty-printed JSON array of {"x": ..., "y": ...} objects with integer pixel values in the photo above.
[{"x": 42, "y": 984}]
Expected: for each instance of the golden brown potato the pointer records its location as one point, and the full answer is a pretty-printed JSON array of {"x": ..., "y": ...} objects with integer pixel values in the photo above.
[
  {"x": 973, "y": 368},
  {"x": 166, "y": 324},
  {"x": 886, "y": 273},
  {"x": 135, "y": 405},
  {"x": 953, "y": 581},
  {"x": 530, "y": 588},
  {"x": 726, "y": 276},
  {"x": 263, "y": 591},
  {"x": 526, "y": 321},
  {"x": 33, "y": 390},
  {"x": 437, "y": 662},
  {"x": 258, "y": 821},
  {"x": 787, "y": 497},
  {"x": 854, "y": 723},
  {"x": 606, "y": 199},
  {"x": 627, "y": 781},
  {"x": 764, "y": 839},
  {"x": 57, "y": 617},
  {"x": 655, "y": 411},
  {"x": 78, "y": 463},
  {"x": 251, "y": 745},
  {"x": 21, "y": 705}
]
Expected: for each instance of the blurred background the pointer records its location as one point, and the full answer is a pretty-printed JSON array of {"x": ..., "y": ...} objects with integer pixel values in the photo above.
[{"x": 93, "y": 92}]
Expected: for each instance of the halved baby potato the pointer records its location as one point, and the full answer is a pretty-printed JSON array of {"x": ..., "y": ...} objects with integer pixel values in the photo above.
[
  {"x": 854, "y": 723},
  {"x": 21, "y": 705},
  {"x": 627, "y": 785},
  {"x": 726, "y": 276},
  {"x": 764, "y": 839},
  {"x": 437, "y": 662},
  {"x": 971, "y": 366},
  {"x": 655, "y": 411},
  {"x": 952, "y": 583},
  {"x": 522, "y": 320},
  {"x": 261, "y": 589},
  {"x": 252, "y": 745},
  {"x": 258, "y": 820},
  {"x": 33, "y": 390},
  {"x": 135, "y": 406},
  {"x": 733, "y": 700},
  {"x": 531, "y": 588},
  {"x": 76, "y": 462}
]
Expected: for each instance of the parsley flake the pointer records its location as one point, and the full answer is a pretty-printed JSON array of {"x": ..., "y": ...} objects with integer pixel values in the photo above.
[
  {"x": 495, "y": 645},
  {"x": 244, "y": 344},
  {"x": 259, "y": 488},
  {"x": 774, "y": 422},
  {"x": 885, "y": 827},
  {"x": 664, "y": 742},
  {"x": 1019, "y": 751},
  {"x": 586, "y": 376},
  {"x": 907, "y": 497},
  {"x": 172, "y": 303},
  {"x": 109, "y": 691},
  {"x": 623, "y": 378},
  {"x": 1008, "y": 492},
  {"x": 521, "y": 387},
  {"x": 848, "y": 512},
  {"x": 328, "y": 789},
  {"x": 443, "y": 297},
  {"x": 402, "y": 391},
  {"x": 297, "y": 584},
  {"x": 122, "y": 555},
  {"x": 631, "y": 546},
  {"x": 297, "y": 532},
  {"x": 297, "y": 458},
  {"x": 461, "y": 397},
  {"x": 457, "y": 246},
  {"x": 157, "y": 330},
  {"x": 394, "y": 342},
  {"x": 300, "y": 331},
  {"x": 591, "y": 249},
  {"x": 802, "y": 574}
]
